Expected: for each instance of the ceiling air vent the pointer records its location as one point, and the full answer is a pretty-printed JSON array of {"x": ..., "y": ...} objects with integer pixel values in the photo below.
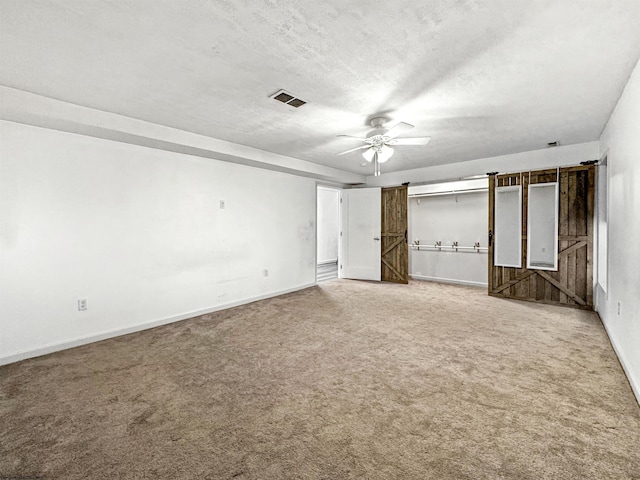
[{"x": 287, "y": 99}]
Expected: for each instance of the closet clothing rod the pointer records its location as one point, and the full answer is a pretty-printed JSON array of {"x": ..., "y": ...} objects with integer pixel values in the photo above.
[{"x": 449, "y": 247}]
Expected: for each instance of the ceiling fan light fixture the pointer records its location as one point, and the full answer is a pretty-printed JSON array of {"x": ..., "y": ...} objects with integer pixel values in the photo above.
[
  {"x": 384, "y": 153},
  {"x": 368, "y": 154},
  {"x": 377, "y": 148}
]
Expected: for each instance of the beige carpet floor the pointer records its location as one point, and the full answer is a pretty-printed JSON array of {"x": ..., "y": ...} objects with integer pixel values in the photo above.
[{"x": 345, "y": 380}]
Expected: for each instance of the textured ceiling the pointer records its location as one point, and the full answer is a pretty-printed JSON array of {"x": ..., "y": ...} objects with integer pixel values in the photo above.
[{"x": 482, "y": 78}]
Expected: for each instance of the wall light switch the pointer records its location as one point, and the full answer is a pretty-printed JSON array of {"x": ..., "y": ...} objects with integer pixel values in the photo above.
[
  {"x": 82, "y": 304},
  {"x": 222, "y": 204}
]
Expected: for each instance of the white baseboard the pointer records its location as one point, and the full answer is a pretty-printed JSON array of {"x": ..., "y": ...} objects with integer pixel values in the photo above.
[
  {"x": 76, "y": 342},
  {"x": 635, "y": 384},
  {"x": 449, "y": 280}
]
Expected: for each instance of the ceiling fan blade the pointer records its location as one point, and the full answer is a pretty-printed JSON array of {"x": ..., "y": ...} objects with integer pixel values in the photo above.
[
  {"x": 398, "y": 129},
  {"x": 410, "y": 141},
  {"x": 354, "y": 149},
  {"x": 351, "y": 136}
]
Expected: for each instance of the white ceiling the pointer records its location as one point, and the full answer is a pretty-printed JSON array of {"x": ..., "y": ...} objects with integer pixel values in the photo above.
[{"x": 481, "y": 77}]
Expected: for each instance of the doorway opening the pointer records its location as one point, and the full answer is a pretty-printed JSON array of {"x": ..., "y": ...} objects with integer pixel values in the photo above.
[{"x": 328, "y": 233}]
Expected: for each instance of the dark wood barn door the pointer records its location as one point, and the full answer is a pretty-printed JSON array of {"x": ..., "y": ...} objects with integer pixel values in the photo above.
[
  {"x": 395, "y": 249},
  {"x": 572, "y": 283}
]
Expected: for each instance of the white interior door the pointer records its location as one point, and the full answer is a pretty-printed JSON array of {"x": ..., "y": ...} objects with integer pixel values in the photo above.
[{"x": 361, "y": 233}]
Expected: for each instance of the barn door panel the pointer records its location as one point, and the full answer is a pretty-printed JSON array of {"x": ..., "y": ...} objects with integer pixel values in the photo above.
[
  {"x": 395, "y": 249},
  {"x": 571, "y": 283}
]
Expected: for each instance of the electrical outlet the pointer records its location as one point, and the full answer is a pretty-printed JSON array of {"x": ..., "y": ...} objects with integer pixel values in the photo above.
[
  {"x": 618, "y": 308},
  {"x": 82, "y": 304},
  {"x": 221, "y": 204},
  {"x": 265, "y": 272}
]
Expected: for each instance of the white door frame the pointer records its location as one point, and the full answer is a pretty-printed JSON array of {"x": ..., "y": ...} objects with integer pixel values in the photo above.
[{"x": 339, "y": 192}]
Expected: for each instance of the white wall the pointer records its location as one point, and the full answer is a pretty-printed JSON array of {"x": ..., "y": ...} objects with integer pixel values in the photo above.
[
  {"x": 30, "y": 109},
  {"x": 449, "y": 218},
  {"x": 620, "y": 141},
  {"x": 138, "y": 232},
  {"x": 328, "y": 224}
]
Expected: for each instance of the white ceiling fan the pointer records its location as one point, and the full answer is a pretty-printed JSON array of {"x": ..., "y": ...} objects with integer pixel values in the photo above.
[{"x": 380, "y": 140}]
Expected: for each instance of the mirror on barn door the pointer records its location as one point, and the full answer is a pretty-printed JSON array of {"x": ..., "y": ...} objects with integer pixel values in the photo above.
[{"x": 374, "y": 234}]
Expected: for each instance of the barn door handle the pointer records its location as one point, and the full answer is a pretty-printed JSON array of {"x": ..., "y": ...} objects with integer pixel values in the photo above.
[
  {"x": 405, "y": 236},
  {"x": 490, "y": 237},
  {"x": 377, "y": 239}
]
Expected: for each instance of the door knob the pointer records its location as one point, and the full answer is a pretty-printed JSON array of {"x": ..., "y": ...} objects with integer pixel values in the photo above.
[{"x": 377, "y": 239}]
